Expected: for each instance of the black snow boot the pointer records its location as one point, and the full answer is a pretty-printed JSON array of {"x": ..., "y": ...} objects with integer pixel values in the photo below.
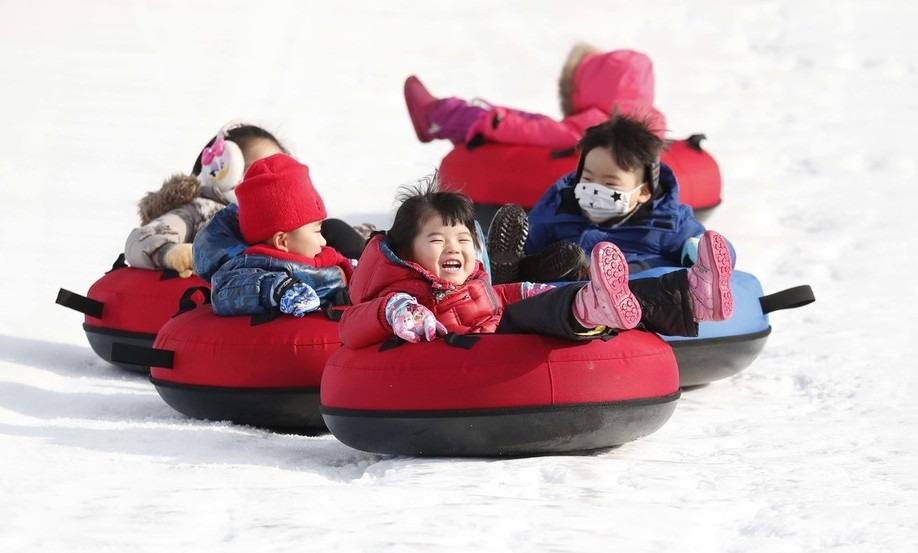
[
  {"x": 506, "y": 237},
  {"x": 559, "y": 261}
]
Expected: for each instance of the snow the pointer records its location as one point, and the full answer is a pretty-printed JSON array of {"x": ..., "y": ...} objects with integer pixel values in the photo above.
[{"x": 808, "y": 106}]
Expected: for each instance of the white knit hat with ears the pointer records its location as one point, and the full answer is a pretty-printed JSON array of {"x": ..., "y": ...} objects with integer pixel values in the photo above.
[{"x": 222, "y": 164}]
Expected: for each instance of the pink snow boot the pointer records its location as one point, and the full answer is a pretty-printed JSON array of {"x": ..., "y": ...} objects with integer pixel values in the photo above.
[
  {"x": 709, "y": 279},
  {"x": 432, "y": 117},
  {"x": 607, "y": 300},
  {"x": 420, "y": 103}
]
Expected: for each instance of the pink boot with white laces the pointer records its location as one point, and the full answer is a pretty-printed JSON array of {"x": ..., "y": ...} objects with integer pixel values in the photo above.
[
  {"x": 709, "y": 279},
  {"x": 607, "y": 300}
]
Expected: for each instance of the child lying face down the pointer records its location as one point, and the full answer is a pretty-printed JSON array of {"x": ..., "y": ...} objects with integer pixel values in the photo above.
[{"x": 422, "y": 279}]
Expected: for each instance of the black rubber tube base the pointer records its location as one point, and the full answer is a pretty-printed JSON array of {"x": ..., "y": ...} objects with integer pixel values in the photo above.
[
  {"x": 293, "y": 410},
  {"x": 500, "y": 432}
]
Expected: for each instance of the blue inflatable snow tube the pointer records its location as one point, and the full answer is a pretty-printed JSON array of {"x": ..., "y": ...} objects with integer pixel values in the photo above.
[{"x": 725, "y": 348}]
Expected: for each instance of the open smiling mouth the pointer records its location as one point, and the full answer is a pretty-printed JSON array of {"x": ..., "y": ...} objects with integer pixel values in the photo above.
[{"x": 451, "y": 266}]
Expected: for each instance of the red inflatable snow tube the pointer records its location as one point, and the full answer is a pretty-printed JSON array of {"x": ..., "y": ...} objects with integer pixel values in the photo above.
[
  {"x": 129, "y": 306},
  {"x": 506, "y": 394},
  {"x": 497, "y": 174},
  {"x": 263, "y": 373}
]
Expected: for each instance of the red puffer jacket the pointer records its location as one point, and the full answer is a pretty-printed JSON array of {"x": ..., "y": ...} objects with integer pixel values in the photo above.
[{"x": 473, "y": 307}]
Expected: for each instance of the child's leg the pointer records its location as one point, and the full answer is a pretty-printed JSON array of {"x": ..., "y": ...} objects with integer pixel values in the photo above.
[
  {"x": 448, "y": 118},
  {"x": 343, "y": 237},
  {"x": 558, "y": 261},
  {"x": 676, "y": 302},
  {"x": 579, "y": 311},
  {"x": 548, "y": 313},
  {"x": 607, "y": 299},
  {"x": 709, "y": 279},
  {"x": 666, "y": 306}
]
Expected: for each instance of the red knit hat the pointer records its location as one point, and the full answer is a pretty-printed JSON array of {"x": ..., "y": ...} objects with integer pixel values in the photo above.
[{"x": 276, "y": 195}]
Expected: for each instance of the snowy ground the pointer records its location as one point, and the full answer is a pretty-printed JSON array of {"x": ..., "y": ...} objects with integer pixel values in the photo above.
[{"x": 809, "y": 107}]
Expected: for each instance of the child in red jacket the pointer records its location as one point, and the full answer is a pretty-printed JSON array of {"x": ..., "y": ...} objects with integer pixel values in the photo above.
[
  {"x": 423, "y": 279},
  {"x": 593, "y": 86}
]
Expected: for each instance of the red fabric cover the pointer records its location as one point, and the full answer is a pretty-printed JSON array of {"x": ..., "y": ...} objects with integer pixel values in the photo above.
[
  {"x": 696, "y": 172},
  {"x": 276, "y": 195},
  {"x": 136, "y": 300},
  {"x": 476, "y": 306},
  {"x": 229, "y": 352},
  {"x": 328, "y": 257},
  {"x": 498, "y": 174},
  {"x": 500, "y": 370}
]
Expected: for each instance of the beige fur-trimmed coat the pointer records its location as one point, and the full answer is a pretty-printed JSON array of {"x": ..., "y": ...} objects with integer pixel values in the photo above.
[{"x": 169, "y": 216}]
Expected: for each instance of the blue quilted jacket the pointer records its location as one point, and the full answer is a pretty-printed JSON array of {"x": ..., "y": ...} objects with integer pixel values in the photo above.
[
  {"x": 651, "y": 238},
  {"x": 243, "y": 284}
]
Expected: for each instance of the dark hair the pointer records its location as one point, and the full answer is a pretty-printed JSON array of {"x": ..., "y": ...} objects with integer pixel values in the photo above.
[
  {"x": 242, "y": 135},
  {"x": 419, "y": 203},
  {"x": 631, "y": 142}
]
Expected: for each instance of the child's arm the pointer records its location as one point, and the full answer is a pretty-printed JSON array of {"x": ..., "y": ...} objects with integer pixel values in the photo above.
[
  {"x": 395, "y": 314},
  {"x": 365, "y": 324},
  {"x": 410, "y": 320},
  {"x": 238, "y": 289},
  {"x": 146, "y": 246},
  {"x": 217, "y": 242}
]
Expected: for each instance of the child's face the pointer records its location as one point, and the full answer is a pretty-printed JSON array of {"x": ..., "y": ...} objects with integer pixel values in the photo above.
[
  {"x": 446, "y": 251},
  {"x": 306, "y": 240},
  {"x": 599, "y": 167}
]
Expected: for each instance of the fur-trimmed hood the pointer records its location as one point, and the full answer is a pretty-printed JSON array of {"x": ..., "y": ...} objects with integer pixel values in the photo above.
[
  {"x": 175, "y": 192},
  {"x": 591, "y": 79}
]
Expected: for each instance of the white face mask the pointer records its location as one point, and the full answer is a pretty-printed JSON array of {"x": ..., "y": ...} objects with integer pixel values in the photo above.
[{"x": 601, "y": 202}]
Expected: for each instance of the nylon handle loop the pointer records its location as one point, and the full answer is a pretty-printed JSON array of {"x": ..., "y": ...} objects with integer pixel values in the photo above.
[{"x": 791, "y": 298}]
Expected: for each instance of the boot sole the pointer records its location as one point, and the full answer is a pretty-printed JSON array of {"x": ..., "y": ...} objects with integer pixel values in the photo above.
[
  {"x": 505, "y": 254},
  {"x": 723, "y": 270},
  {"x": 614, "y": 281}
]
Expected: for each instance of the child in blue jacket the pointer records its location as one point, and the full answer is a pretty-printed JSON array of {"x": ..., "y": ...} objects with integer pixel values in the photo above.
[
  {"x": 287, "y": 266},
  {"x": 620, "y": 193}
]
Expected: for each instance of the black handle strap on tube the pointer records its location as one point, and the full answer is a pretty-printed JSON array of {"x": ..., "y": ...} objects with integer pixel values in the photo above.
[
  {"x": 694, "y": 141},
  {"x": 118, "y": 264},
  {"x": 84, "y": 305},
  {"x": 264, "y": 318},
  {"x": 464, "y": 341},
  {"x": 791, "y": 298},
  {"x": 186, "y": 303},
  {"x": 168, "y": 274},
  {"x": 142, "y": 355}
]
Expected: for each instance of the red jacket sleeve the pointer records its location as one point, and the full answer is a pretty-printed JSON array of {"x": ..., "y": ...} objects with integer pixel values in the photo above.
[
  {"x": 508, "y": 293},
  {"x": 365, "y": 324}
]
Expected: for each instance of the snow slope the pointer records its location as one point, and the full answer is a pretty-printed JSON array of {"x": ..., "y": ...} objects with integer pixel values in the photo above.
[{"x": 809, "y": 107}]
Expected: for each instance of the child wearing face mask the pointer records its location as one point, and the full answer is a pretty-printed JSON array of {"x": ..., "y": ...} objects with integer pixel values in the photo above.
[
  {"x": 287, "y": 266},
  {"x": 422, "y": 279},
  {"x": 619, "y": 193}
]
